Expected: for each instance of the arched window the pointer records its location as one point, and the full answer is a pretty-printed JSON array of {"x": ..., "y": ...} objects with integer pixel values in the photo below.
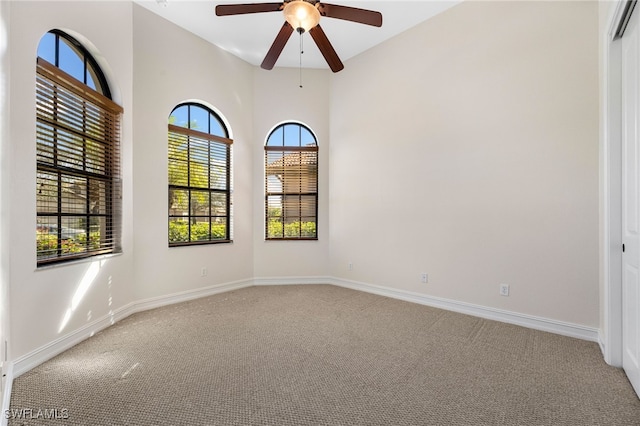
[
  {"x": 291, "y": 183},
  {"x": 78, "y": 200},
  {"x": 199, "y": 177},
  {"x": 69, "y": 56}
]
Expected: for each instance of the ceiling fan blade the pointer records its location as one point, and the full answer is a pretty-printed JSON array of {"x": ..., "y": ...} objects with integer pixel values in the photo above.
[
  {"x": 240, "y": 9},
  {"x": 330, "y": 55},
  {"x": 277, "y": 46},
  {"x": 353, "y": 14}
]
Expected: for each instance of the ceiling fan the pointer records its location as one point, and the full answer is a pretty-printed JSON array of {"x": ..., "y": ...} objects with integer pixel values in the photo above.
[{"x": 304, "y": 15}]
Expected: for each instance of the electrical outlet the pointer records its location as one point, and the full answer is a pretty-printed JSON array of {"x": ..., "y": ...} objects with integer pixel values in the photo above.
[
  {"x": 504, "y": 289},
  {"x": 424, "y": 278},
  {"x": 350, "y": 266},
  {"x": 203, "y": 272}
]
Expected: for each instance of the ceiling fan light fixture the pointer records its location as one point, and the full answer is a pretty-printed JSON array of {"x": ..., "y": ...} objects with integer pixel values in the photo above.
[{"x": 301, "y": 15}]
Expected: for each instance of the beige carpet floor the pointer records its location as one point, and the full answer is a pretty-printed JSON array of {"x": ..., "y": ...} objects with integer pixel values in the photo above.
[{"x": 323, "y": 355}]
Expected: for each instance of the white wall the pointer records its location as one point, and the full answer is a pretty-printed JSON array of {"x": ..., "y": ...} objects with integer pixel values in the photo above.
[
  {"x": 5, "y": 175},
  {"x": 481, "y": 124},
  {"x": 170, "y": 67},
  {"x": 471, "y": 153},
  {"x": 279, "y": 98},
  {"x": 41, "y": 299}
]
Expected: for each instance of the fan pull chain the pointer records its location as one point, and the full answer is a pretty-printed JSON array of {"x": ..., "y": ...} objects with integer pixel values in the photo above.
[{"x": 301, "y": 52}]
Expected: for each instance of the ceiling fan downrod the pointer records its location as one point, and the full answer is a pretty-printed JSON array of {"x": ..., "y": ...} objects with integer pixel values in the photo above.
[{"x": 301, "y": 52}]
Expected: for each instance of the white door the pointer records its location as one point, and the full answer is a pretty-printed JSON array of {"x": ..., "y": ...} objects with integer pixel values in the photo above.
[{"x": 631, "y": 201}]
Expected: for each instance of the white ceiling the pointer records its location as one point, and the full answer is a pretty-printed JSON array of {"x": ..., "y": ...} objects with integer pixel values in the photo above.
[{"x": 250, "y": 36}]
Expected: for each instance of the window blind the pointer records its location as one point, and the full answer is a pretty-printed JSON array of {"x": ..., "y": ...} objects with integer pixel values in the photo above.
[
  {"x": 291, "y": 192},
  {"x": 78, "y": 186},
  {"x": 199, "y": 187}
]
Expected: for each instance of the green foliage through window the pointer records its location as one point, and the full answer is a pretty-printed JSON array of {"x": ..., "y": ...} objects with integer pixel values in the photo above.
[
  {"x": 276, "y": 229},
  {"x": 199, "y": 171}
]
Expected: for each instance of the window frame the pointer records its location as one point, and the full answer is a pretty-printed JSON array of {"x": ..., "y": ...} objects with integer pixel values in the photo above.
[
  {"x": 77, "y": 139},
  {"x": 88, "y": 60},
  {"x": 214, "y": 141},
  {"x": 303, "y": 153}
]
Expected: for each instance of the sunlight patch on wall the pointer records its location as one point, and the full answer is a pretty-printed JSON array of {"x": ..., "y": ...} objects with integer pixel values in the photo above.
[{"x": 86, "y": 282}]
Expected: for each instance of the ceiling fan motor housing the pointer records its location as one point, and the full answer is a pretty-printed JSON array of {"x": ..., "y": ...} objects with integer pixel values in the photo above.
[{"x": 301, "y": 15}]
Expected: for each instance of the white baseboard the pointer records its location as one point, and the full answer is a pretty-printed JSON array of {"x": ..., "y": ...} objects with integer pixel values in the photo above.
[
  {"x": 291, "y": 280},
  {"x": 524, "y": 320},
  {"x": 184, "y": 296},
  {"x": 6, "y": 394},
  {"x": 36, "y": 357},
  {"x": 55, "y": 347},
  {"x": 601, "y": 342}
]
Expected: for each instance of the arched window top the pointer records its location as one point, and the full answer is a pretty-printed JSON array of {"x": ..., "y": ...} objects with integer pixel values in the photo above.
[
  {"x": 292, "y": 135},
  {"x": 198, "y": 117},
  {"x": 65, "y": 52}
]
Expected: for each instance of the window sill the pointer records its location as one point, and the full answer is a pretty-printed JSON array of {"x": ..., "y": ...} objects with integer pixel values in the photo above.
[
  {"x": 199, "y": 243},
  {"x": 291, "y": 239},
  {"x": 72, "y": 262}
]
